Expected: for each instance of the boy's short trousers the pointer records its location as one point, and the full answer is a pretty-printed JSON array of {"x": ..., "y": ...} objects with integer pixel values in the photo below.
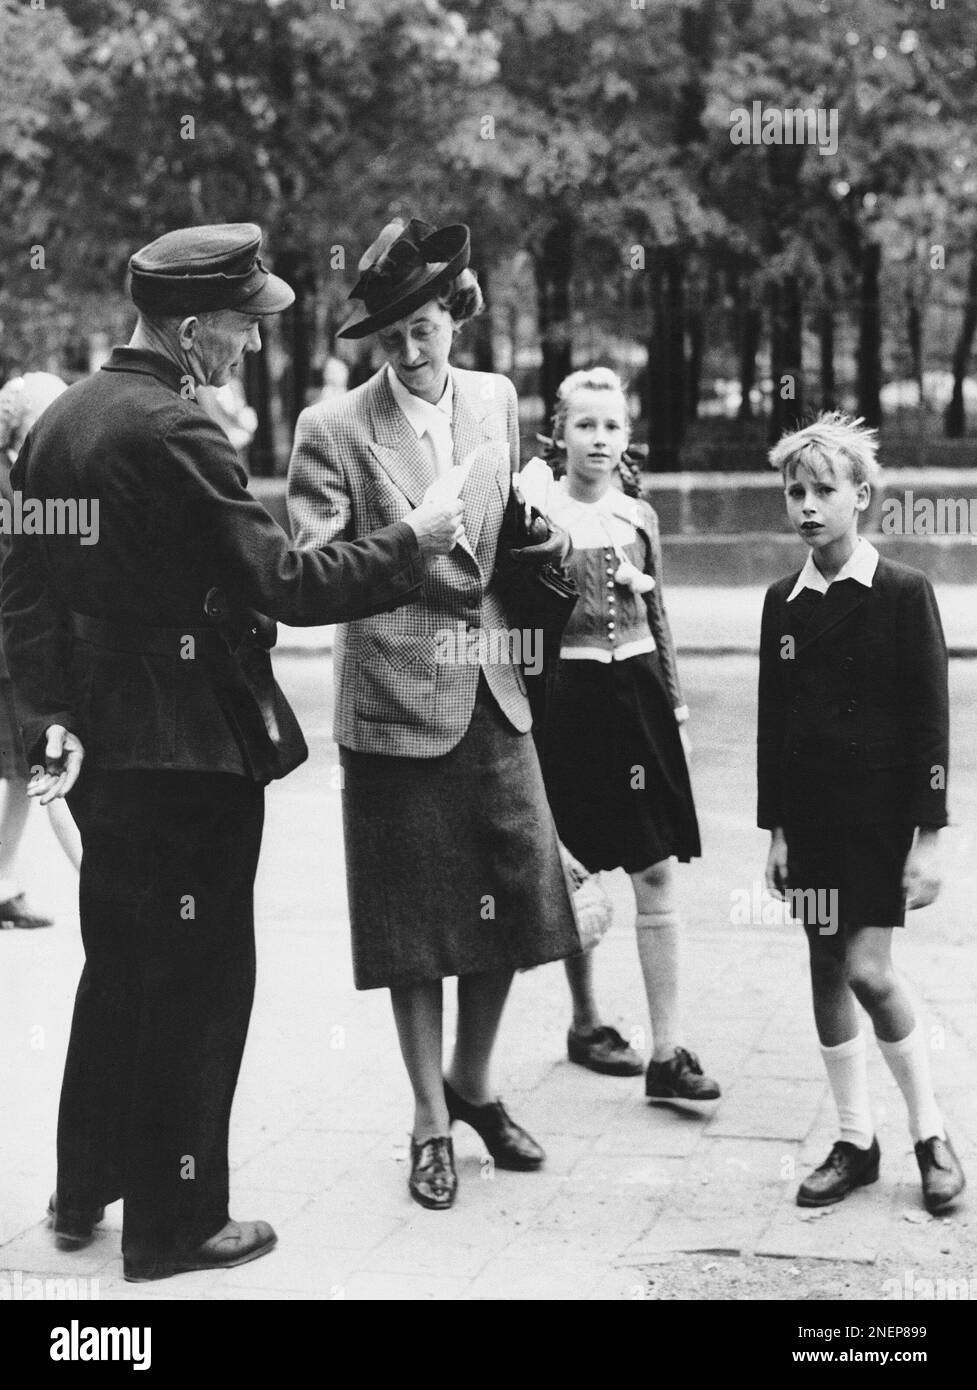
[{"x": 851, "y": 876}]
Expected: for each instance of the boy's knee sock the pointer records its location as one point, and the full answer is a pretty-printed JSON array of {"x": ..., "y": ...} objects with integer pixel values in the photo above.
[
  {"x": 909, "y": 1061},
  {"x": 847, "y": 1070},
  {"x": 657, "y": 936}
]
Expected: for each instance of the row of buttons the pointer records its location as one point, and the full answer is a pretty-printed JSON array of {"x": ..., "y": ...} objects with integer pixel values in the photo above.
[{"x": 608, "y": 556}]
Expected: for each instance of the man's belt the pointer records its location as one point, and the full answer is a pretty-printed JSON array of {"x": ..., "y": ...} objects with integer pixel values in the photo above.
[{"x": 151, "y": 641}]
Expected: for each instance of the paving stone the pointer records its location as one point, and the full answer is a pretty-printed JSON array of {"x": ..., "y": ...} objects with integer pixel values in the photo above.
[
  {"x": 849, "y": 1231},
  {"x": 34, "y": 1252},
  {"x": 319, "y": 1130},
  {"x": 378, "y": 1286},
  {"x": 722, "y": 1235},
  {"x": 510, "y": 1280},
  {"x": 777, "y": 1110},
  {"x": 653, "y": 1130}
]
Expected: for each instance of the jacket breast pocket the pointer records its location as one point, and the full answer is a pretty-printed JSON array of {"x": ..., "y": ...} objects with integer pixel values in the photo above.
[{"x": 396, "y": 676}]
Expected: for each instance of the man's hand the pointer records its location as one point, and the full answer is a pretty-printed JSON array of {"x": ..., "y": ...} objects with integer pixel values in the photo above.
[
  {"x": 683, "y": 734},
  {"x": 922, "y": 877},
  {"x": 438, "y": 523},
  {"x": 63, "y": 755},
  {"x": 776, "y": 872}
]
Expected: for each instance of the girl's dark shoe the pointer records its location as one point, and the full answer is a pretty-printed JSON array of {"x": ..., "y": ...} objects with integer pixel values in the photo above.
[
  {"x": 73, "y": 1226},
  {"x": 845, "y": 1168},
  {"x": 680, "y": 1078},
  {"x": 943, "y": 1178},
  {"x": 433, "y": 1181},
  {"x": 604, "y": 1050},
  {"x": 508, "y": 1143}
]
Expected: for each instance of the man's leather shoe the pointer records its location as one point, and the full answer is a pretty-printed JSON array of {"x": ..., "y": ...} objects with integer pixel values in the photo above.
[
  {"x": 234, "y": 1244},
  {"x": 73, "y": 1226},
  {"x": 845, "y": 1168},
  {"x": 943, "y": 1178},
  {"x": 508, "y": 1143},
  {"x": 433, "y": 1181}
]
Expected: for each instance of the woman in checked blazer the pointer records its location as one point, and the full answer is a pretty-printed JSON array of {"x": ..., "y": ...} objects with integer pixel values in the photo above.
[{"x": 452, "y": 860}]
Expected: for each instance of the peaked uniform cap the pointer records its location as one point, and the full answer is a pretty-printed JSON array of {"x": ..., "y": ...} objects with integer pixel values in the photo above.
[
  {"x": 196, "y": 270},
  {"x": 404, "y": 268}
]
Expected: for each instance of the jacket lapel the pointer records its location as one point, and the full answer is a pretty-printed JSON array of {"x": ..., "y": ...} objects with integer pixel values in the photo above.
[
  {"x": 473, "y": 439},
  {"x": 395, "y": 446},
  {"x": 838, "y": 604}
]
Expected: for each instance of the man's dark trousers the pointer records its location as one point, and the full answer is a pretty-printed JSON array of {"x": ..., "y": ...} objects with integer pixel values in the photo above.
[{"x": 162, "y": 1009}]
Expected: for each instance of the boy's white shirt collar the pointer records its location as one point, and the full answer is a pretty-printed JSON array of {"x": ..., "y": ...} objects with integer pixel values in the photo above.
[
  {"x": 419, "y": 413},
  {"x": 860, "y": 566}
]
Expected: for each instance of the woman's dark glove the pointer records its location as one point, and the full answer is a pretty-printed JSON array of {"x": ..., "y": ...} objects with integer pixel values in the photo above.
[{"x": 551, "y": 545}]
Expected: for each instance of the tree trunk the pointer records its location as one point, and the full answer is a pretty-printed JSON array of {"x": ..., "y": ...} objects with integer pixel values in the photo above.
[
  {"x": 697, "y": 337},
  {"x": 750, "y": 322},
  {"x": 870, "y": 336},
  {"x": 786, "y": 347},
  {"x": 257, "y": 388},
  {"x": 553, "y": 265},
  {"x": 666, "y": 384},
  {"x": 914, "y": 336},
  {"x": 955, "y": 421},
  {"x": 826, "y": 343},
  {"x": 299, "y": 324}
]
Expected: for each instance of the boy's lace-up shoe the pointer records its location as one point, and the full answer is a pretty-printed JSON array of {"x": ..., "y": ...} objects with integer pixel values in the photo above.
[
  {"x": 939, "y": 1167},
  {"x": 845, "y": 1168}
]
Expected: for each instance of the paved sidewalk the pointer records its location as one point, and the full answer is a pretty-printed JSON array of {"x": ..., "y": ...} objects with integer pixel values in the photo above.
[
  {"x": 634, "y": 1201},
  {"x": 721, "y": 620}
]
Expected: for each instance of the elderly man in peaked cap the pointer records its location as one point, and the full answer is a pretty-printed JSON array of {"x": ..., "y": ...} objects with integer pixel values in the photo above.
[{"x": 146, "y": 656}]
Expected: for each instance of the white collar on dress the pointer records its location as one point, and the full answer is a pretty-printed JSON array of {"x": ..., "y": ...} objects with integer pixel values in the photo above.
[
  {"x": 860, "y": 566},
  {"x": 419, "y": 413}
]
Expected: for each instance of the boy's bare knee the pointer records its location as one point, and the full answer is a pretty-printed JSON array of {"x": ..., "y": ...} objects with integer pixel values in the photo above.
[{"x": 870, "y": 981}]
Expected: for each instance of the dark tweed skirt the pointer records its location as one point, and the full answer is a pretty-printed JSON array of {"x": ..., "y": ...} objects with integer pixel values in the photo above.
[
  {"x": 13, "y": 759},
  {"x": 452, "y": 863},
  {"x": 615, "y": 768}
]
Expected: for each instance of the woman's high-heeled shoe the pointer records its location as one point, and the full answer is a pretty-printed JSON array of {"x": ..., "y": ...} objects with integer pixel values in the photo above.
[
  {"x": 508, "y": 1143},
  {"x": 433, "y": 1181}
]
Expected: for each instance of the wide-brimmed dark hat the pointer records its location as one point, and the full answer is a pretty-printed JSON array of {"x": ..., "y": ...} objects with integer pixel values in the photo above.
[
  {"x": 403, "y": 269},
  {"x": 196, "y": 270}
]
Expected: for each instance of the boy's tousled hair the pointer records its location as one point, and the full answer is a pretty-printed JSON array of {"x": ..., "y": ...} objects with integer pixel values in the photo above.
[{"x": 833, "y": 435}]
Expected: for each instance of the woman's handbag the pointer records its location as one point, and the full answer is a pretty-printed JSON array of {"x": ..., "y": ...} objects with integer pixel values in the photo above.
[{"x": 592, "y": 906}]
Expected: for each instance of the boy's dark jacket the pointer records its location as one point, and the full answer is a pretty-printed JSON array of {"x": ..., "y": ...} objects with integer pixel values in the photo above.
[
  {"x": 176, "y": 522},
  {"x": 853, "y": 704}
]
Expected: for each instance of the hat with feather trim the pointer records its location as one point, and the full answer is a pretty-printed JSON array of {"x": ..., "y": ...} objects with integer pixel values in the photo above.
[{"x": 404, "y": 268}]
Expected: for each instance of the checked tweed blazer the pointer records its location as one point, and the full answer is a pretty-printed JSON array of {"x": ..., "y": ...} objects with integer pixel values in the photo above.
[{"x": 357, "y": 465}]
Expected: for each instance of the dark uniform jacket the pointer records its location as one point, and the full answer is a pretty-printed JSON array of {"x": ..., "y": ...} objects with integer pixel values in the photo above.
[
  {"x": 175, "y": 521},
  {"x": 853, "y": 705}
]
